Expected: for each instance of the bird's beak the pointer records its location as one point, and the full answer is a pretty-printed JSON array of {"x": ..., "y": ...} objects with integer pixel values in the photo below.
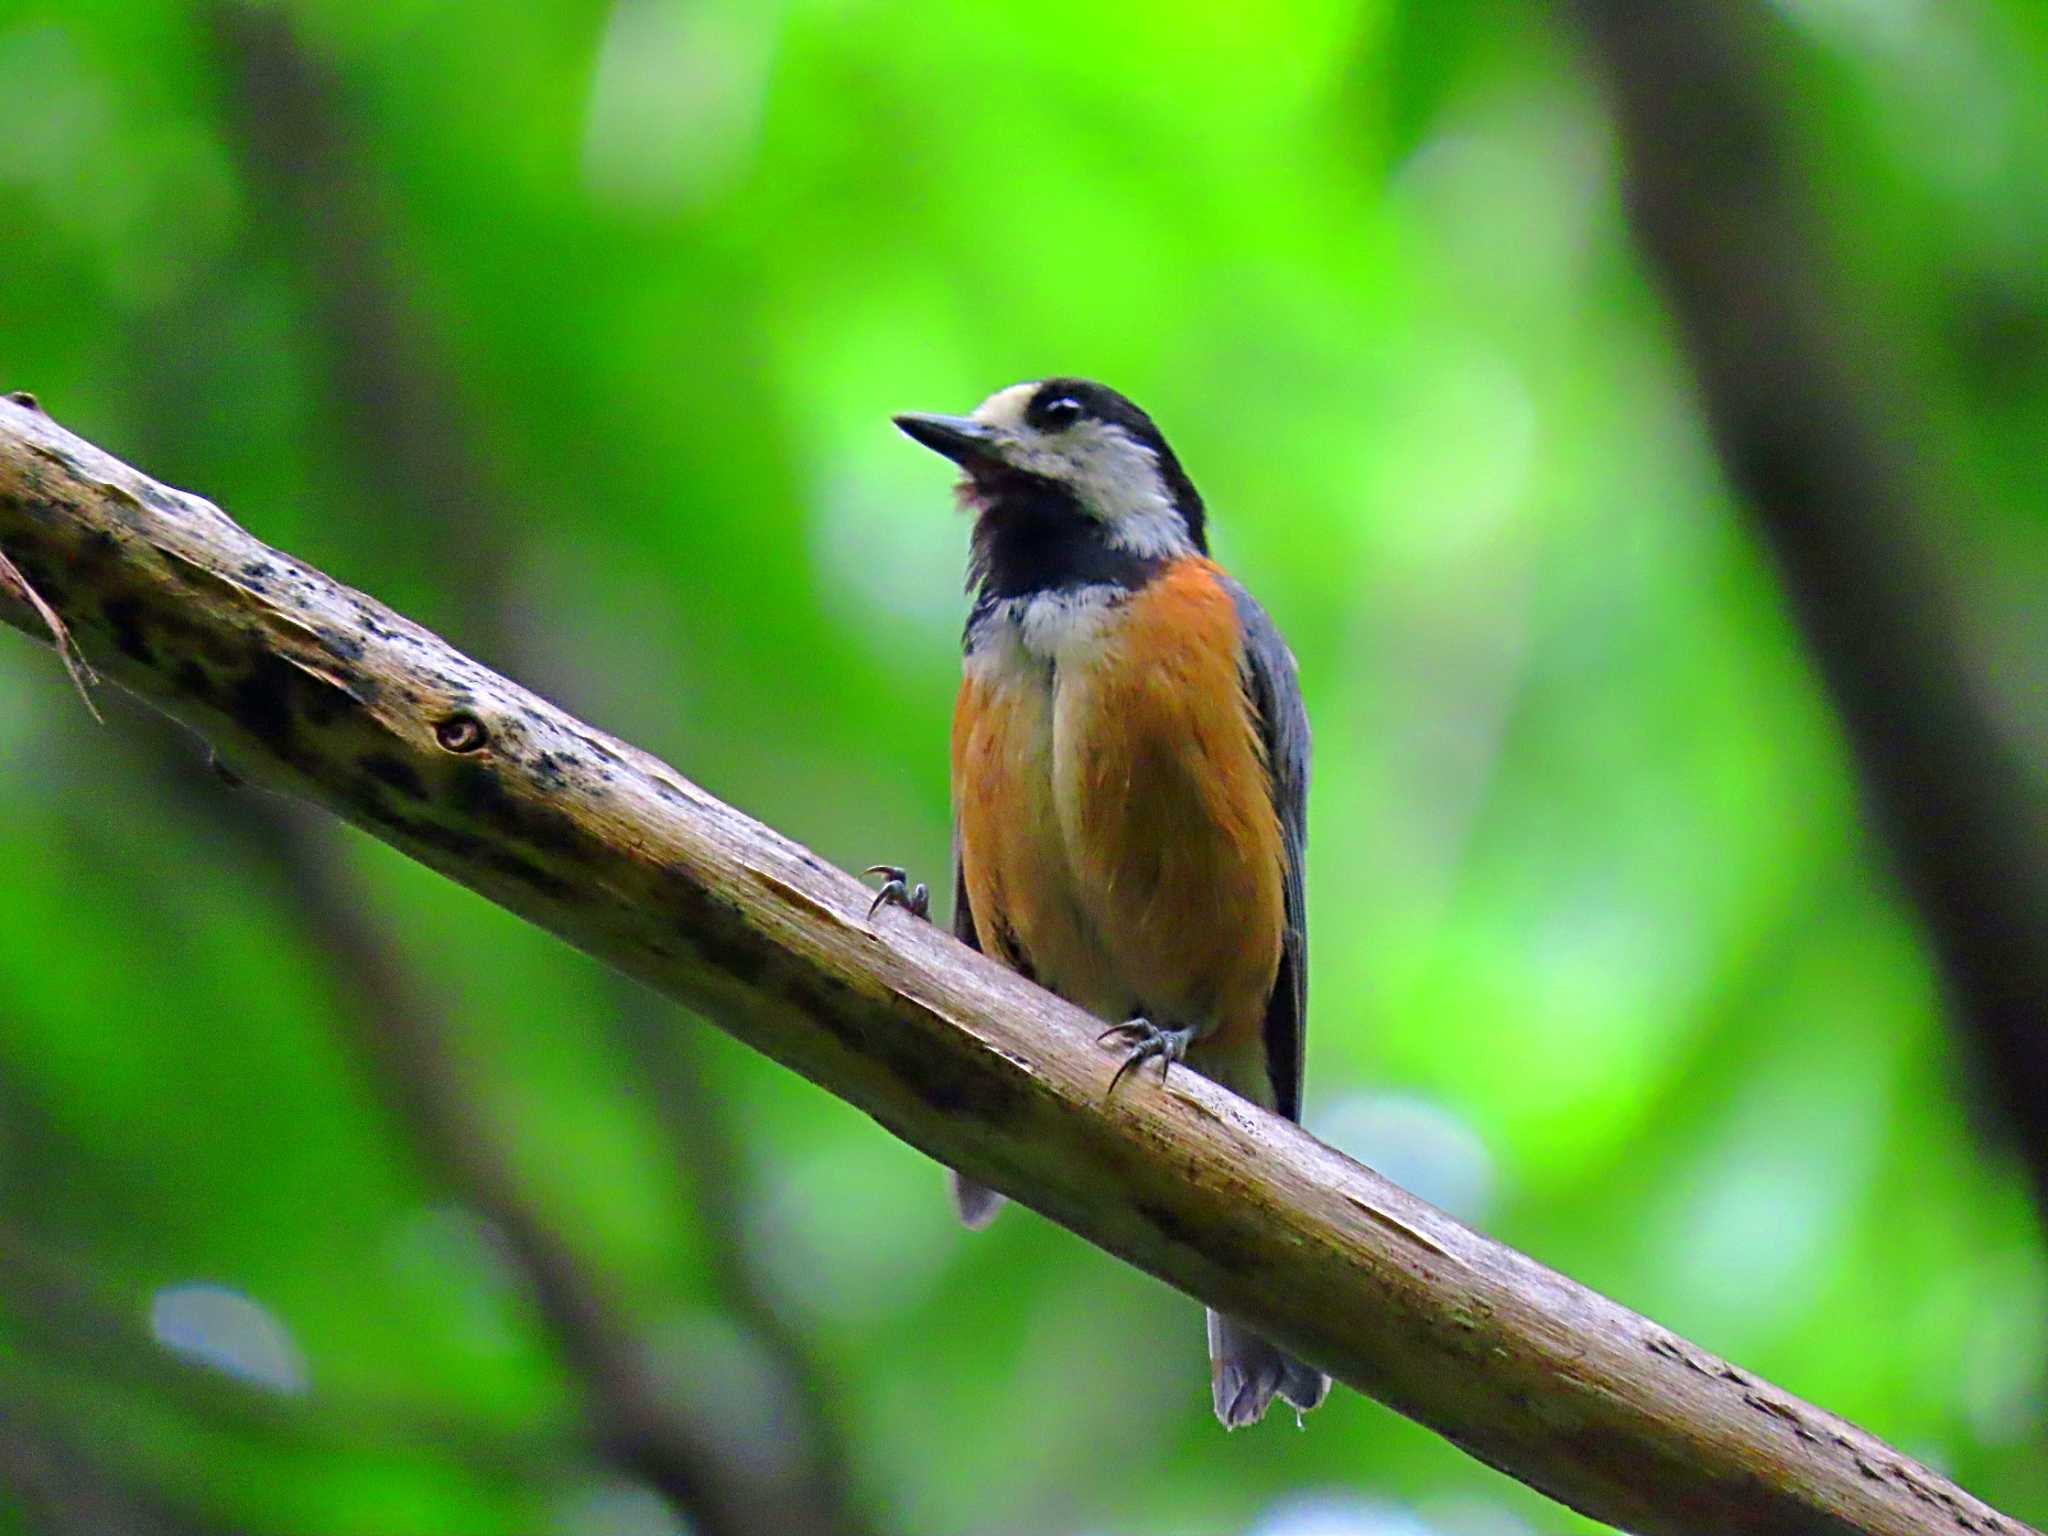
[{"x": 960, "y": 438}]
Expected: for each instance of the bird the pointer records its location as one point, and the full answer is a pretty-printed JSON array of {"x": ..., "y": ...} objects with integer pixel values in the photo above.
[{"x": 1130, "y": 759}]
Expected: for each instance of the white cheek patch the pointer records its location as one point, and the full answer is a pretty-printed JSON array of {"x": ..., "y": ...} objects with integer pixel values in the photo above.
[
  {"x": 1119, "y": 480},
  {"x": 1115, "y": 478}
]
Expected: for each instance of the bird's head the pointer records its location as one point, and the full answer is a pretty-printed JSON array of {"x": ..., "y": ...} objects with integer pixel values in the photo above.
[{"x": 1073, "y": 446}]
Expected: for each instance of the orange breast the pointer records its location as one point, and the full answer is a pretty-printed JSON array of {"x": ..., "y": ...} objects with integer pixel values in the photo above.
[
  {"x": 1161, "y": 788},
  {"x": 1117, "y": 832}
]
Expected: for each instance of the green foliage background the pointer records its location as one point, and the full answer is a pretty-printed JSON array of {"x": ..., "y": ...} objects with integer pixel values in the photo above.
[{"x": 572, "y": 329}]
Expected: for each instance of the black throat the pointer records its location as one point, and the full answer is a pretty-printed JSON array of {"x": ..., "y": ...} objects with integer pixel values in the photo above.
[{"x": 1031, "y": 536}]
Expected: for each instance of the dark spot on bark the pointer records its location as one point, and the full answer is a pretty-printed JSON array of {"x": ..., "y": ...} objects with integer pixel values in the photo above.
[
  {"x": 395, "y": 772},
  {"x": 341, "y": 643},
  {"x": 221, "y": 650},
  {"x": 155, "y": 498},
  {"x": 479, "y": 852},
  {"x": 261, "y": 703},
  {"x": 256, "y": 570},
  {"x": 461, "y": 732},
  {"x": 324, "y": 705},
  {"x": 529, "y": 873},
  {"x": 718, "y": 930},
  {"x": 124, "y": 616},
  {"x": 477, "y": 790},
  {"x": 1204, "y": 1239},
  {"x": 23, "y": 398},
  {"x": 955, "y": 1086}
]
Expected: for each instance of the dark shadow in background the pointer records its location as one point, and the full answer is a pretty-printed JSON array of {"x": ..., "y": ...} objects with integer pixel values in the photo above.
[{"x": 1814, "y": 448}]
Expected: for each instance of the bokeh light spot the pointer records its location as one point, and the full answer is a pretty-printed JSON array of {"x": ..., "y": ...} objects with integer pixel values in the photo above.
[
  {"x": 227, "y": 1331},
  {"x": 616, "y": 1509},
  {"x": 1337, "y": 1514}
]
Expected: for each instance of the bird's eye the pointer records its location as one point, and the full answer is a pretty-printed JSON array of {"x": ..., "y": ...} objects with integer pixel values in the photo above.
[{"x": 1063, "y": 412}]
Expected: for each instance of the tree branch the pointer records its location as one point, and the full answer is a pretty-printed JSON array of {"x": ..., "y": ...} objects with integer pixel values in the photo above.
[
  {"x": 1721, "y": 214},
  {"x": 323, "y": 693}
]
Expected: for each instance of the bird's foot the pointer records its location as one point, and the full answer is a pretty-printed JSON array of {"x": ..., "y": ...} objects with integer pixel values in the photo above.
[
  {"x": 897, "y": 891},
  {"x": 1145, "y": 1042}
]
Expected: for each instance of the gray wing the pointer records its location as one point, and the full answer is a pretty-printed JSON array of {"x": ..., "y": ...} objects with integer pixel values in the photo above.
[
  {"x": 963, "y": 912},
  {"x": 964, "y": 928},
  {"x": 1275, "y": 692}
]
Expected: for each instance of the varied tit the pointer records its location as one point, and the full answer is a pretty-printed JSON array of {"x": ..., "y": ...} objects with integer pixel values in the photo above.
[{"x": 1130, "y": 773}]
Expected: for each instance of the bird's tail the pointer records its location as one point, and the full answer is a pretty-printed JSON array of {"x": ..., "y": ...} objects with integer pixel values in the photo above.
[
  {"x": 1246, "y": 1373},
  {"x": 976, "y": 1203}
]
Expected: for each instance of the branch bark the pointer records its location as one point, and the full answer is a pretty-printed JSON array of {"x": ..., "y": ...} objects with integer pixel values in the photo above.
[
  {"x": 1720, "y": 212},
  {"x": 321, "y": 692}
]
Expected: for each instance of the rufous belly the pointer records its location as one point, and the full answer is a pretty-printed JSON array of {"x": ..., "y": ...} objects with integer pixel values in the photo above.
[{"x": 1117, "y": 833}]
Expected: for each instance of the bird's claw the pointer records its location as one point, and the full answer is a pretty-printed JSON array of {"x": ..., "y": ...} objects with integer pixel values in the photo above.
[
  {"x": 897, "y": 891},
  {"x": 1148, "y": 1042}
]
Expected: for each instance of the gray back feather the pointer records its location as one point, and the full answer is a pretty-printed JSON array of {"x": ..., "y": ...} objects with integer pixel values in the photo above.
[{"x": 1274, "y": 689}]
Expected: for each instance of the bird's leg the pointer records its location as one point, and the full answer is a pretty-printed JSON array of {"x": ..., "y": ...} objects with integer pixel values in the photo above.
[
  {"x": 1147, "y": 1042},
  {"x": 897, "y": 891}
]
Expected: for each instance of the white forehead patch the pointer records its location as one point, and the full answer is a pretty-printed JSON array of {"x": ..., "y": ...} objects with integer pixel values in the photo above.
[
  {"x": 1112, "y": 475},
  {"x": 1005, "y": 408}
]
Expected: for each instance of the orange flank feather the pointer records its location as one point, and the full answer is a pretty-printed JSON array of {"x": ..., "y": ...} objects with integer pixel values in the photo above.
[{"x": 1117, "y": 829}]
